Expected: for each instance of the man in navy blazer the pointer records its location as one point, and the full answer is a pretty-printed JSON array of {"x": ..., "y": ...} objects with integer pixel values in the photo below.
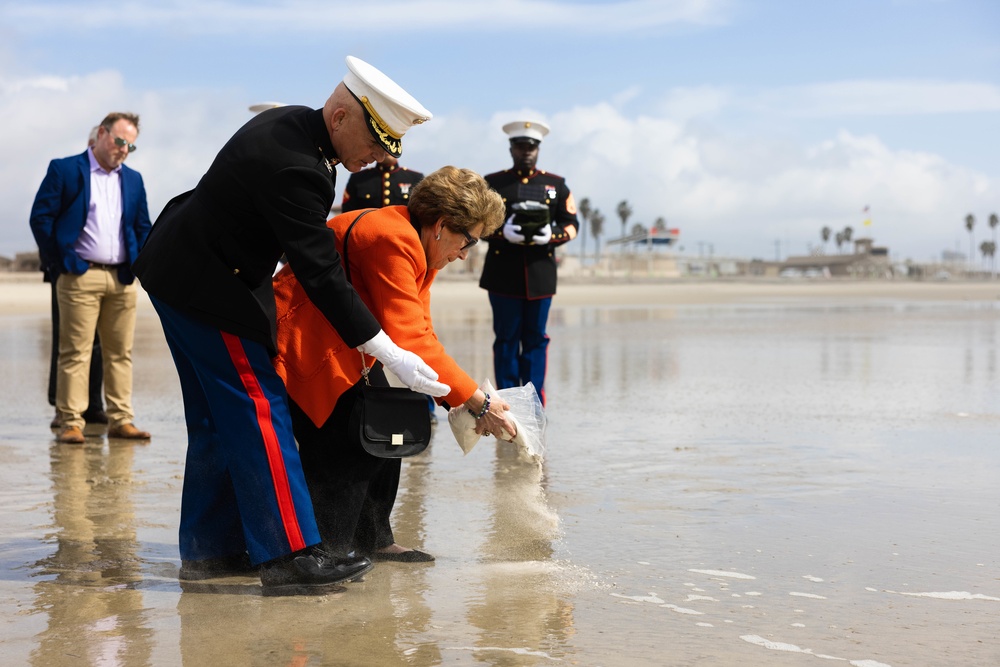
[{"x": 89, "y": 220}]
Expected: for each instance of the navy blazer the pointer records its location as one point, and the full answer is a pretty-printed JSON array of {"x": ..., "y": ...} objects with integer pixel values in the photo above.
[{"x": 60, "y": 213}]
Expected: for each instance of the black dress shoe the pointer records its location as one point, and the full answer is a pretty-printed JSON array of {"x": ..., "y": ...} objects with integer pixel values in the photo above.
[
  {"x": 212, "y": 568},
  {"x": 361, "y": 563},
  {"x": 95, "y": 417},
  {"x": 411, "y": 556},
  {"x": 311, "y": 571}
]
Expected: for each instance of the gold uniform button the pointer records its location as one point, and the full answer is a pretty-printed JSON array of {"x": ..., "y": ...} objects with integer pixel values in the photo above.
[
  {"x": 236, "y": 272},
  {"x": 385, "y": 201},
  {"x": 524, "y": 180}
]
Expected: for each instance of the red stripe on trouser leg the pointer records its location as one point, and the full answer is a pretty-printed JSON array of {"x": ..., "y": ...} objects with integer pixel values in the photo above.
[{"x": 272, "y": 446}]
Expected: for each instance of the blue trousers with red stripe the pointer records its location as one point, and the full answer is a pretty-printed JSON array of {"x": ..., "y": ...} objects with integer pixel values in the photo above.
[
  {"x": 243, "y": 484},
  {"x": 520, "y": 346}
]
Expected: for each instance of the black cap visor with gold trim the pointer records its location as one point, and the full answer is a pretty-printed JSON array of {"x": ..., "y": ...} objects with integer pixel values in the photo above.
[{"x": 392, "y": 144}]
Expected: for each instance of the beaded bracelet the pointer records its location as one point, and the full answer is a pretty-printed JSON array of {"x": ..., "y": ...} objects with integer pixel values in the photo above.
[{"x": 486, "y": 408}]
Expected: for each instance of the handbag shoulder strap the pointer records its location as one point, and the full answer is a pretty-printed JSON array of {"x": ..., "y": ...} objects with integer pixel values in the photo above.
[
  {"x": 347, "y": 236},
  {"x": 347, "y": 270}
]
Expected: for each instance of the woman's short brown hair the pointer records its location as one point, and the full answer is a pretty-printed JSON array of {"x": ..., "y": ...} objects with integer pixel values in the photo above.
[{"x": 461, "y": 196}]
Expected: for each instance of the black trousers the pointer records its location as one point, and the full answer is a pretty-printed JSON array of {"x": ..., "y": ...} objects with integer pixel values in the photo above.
[
  {"x": 96, "y": 363},
  {"x": 352, "y": 491}
]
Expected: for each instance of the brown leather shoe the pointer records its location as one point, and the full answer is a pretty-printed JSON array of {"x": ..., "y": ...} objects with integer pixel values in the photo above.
[
  {"x": 71, "y": 435},
  {"x": 128, "y": 432}
]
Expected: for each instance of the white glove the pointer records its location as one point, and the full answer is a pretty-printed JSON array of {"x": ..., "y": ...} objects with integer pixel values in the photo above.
[
  {"x": 543, "y": 235},
  {"x": 512, "y": 232},
  {"x": 408, "y": 367}
]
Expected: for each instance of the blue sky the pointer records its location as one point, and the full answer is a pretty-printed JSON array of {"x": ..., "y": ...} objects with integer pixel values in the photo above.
[{"x": 748, "y": 124}]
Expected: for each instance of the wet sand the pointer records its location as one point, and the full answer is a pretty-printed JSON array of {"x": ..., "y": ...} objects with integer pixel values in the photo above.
[{"x": 736, "y": 473}]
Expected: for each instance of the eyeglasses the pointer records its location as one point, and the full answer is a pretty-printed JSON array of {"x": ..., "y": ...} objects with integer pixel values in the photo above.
[
  {"x": 121, "y": 143},
  {"x": 469, "y": 241}
]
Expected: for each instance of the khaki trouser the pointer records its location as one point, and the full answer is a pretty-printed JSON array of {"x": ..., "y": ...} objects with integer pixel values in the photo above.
[{"x": 96, "y": 301}]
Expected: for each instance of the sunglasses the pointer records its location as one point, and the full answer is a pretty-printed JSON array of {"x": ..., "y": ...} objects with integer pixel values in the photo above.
[
  {"x": 121, "y": 143},
  {"x": 469, "y": 241}
]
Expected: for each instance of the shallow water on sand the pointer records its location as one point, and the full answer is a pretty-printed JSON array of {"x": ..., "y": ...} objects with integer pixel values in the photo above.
[{"x": 756, "y": 484}]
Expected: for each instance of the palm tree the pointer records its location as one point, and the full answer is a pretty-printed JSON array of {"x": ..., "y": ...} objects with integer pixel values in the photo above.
[
  {"x": 624, "y": 211},
  {"x": 597, "y": 227},
  {"x": 825, "y": 235},
  {"x": 660, "y": 224},
  {"x": 839, "y": 239},
  {"x": 988, "y": 248},
  {"x": 970, "y": 222},
  {"x": 585, "y": 212},
  {"x": 848, "y": 233},
  {"x": 993, "y": 226}
]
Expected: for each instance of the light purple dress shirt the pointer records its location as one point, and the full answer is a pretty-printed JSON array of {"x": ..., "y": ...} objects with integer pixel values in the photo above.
[{"x": 102, "y": 240}]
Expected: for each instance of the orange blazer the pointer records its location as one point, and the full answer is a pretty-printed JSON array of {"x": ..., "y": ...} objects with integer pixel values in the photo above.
[{"x": 389, "y": 271}]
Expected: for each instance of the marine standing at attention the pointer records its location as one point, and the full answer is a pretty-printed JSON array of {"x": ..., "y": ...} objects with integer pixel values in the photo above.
[{"x": 520, "y": 267}]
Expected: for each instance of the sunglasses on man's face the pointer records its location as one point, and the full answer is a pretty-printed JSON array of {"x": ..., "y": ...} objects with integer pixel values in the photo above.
[{"x": 121, "y": 143}]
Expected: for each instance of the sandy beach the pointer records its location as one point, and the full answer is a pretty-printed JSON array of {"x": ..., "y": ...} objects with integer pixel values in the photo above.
[
  {"x": 735, "y": 473},
  {"x": 22, "y": 293}
]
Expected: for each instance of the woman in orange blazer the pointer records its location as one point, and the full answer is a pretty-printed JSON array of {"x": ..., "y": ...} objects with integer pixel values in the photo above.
[{"x": 394, "y": 254}]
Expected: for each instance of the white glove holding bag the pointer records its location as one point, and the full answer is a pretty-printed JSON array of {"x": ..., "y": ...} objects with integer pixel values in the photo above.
[
  {"x": 543, "y": 235},
  {"x": 408, "y": 367},
  {"x": 512, "y": 232}
]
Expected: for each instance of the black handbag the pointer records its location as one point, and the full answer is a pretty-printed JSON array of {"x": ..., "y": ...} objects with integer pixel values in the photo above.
[{"x": 388, "y": 422}]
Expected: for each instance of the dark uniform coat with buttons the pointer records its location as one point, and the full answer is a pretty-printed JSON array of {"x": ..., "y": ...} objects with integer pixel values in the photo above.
[
  {"x": 207, "y": 266},
  {"x": 528, "y": 271},
  {"x": 378, "y": 186},
  {"x": 213, "y": 250}
]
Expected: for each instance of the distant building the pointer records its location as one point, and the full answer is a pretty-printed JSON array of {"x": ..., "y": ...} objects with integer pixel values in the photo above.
[
  {"x": 867, "y": 261},
  {"x": 24, "y": 261}
]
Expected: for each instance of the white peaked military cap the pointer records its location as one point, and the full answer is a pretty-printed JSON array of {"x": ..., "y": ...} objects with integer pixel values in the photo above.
[
  {"x": 389, "y": 110},
  {"x": 264, "y": 106},
  {"x": 519, "y": 130}
]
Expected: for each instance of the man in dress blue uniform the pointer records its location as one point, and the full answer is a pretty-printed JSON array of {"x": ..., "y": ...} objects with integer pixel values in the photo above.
[
  {"x": 207, "y": 267},
  {"x": 520, "y": 267}
]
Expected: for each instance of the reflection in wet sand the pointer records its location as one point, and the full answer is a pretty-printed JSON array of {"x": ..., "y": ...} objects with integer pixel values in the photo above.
[
  {"x": 86, "y": 587},
  {"x": 740, "y": 484}
]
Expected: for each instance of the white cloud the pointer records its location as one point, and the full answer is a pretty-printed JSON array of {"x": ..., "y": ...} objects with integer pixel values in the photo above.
[
  {"x": 739, "y": 193},
  {"x": 880, "y": 98},
  {"x": 50, "y": 117},
  {"x": 227, "y": 17}
]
